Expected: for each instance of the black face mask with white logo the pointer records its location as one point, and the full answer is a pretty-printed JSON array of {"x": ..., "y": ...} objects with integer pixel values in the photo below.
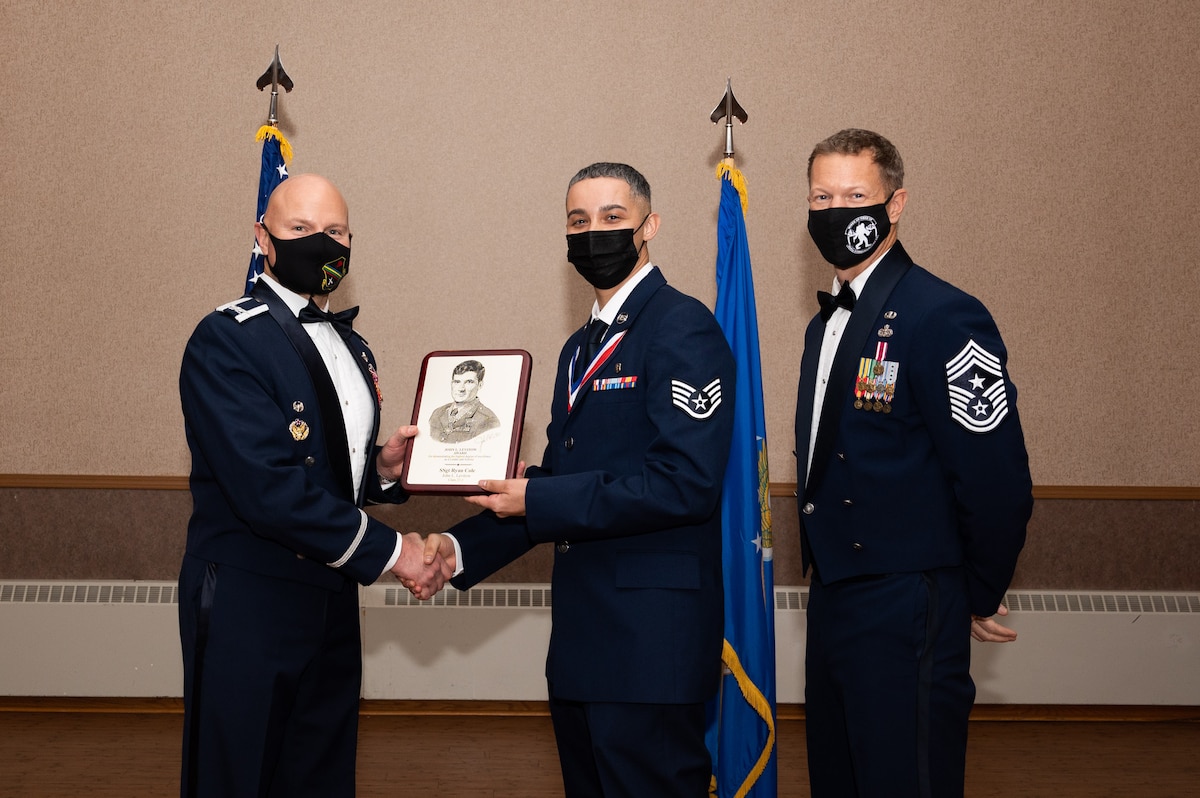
[
  {"x": 848, "y": 236},
  {"x": 604, "y": 257},
  {"x": 314, "y": 264}
]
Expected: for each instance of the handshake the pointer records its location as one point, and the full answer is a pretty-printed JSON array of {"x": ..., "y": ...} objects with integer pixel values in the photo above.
[{"x": 425, "y": 566}]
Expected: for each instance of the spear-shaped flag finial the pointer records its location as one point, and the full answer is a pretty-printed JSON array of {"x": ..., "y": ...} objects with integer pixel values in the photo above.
[
  {"x": 275, "y": 76},
  {"x": 728, "y": 109}
]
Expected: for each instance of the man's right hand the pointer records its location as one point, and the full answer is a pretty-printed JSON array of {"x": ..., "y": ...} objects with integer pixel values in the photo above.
[{"x": 421, "y": 567}]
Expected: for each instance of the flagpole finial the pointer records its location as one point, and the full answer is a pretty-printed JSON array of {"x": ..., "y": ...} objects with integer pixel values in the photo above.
[
  {"x": 276, "y": 77},
  {"x": 728, "y": 109}
]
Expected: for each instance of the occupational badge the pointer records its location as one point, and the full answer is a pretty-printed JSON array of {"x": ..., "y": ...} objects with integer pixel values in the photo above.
[
  {"x": 299, "y": 429},
  {"x": 698, "y": 403},
  {"x": 978, "y": 397}
]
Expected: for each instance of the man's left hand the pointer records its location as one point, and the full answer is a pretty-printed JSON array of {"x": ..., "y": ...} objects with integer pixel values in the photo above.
[
  {"x": 391, "y": 457},
  {"x": 505, "y": 496},
  {"x": 988, "y": 630}
]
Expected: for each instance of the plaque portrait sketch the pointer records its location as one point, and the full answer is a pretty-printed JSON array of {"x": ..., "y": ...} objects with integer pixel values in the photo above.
[{"x": 469, "y": 408}]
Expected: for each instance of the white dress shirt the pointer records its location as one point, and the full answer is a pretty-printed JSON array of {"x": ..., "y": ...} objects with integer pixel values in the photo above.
[
  {"x": 353, "y": 393},
  {"x": 829, "y": 346}
]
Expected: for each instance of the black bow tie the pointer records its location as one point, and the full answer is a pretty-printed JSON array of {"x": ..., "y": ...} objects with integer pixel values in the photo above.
[
  {"x": 342, "y": 322},
  {"x": 829, "y": 303}
]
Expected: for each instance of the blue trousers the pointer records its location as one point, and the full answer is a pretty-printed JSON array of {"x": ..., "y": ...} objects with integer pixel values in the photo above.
[
  {"x": 615, "y": 750},
  {"x": 272, "y": 674},
  {"x": 888, "y": 689}
]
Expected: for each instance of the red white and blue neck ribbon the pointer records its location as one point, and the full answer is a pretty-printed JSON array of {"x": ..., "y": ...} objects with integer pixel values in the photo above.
[{"x": 574, "y": 385}]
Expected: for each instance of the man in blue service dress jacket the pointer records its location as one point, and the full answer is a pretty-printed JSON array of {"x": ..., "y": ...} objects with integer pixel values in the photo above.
[
  {"x": 629, "y": 494},
  {"x": 914, "y": 492},
  {"x": 281, "y": 406}
]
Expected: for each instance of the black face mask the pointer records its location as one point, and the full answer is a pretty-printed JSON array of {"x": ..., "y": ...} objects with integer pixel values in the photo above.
[
  {"x": 604, "y": 257},
  {"x": 314, "y": 264},
  {"x": 848, "y": 236}
]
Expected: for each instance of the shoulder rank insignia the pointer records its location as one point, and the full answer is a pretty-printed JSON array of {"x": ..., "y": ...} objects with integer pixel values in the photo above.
[
  {"x": 245, "y": 308},
  {"x": 697, "y": 403},
  {"x": 977, "y": 391}
]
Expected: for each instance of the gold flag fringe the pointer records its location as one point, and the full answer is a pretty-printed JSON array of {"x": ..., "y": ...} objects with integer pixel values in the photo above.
[
  {"x": 726, "y": 167},
  {"x": 758, "y": 702},
  {"x": 270, "y": 131}
]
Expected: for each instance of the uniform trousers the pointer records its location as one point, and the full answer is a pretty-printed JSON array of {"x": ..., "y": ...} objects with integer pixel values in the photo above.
[
  {"x": 620, "y": 750},
  {"x": 272, "y": 672},
  {"x": 888, "y": 689}
]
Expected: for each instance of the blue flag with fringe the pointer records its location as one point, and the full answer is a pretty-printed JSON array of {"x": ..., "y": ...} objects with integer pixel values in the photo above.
[
  {"x": 741, "y": 729},
  {"x": 276, "y": 155}
]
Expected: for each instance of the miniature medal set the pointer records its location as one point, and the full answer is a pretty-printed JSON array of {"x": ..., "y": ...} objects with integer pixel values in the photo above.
[{"x": 876, "y": 383}]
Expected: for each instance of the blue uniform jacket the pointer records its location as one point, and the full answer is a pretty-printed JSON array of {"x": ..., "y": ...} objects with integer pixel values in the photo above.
[
  {"x": 940, "y": 480},
  {"x": 270, "y": 475},
  {"x": 630, "y": 491}
]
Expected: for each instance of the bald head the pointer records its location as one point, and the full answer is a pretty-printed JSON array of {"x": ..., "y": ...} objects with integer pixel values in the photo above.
[
  {"x": 300, "y": 207},
  {"x": 309, "y": 198}
]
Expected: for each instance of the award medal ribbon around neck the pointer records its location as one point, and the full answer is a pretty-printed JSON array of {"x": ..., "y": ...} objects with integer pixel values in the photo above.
[{"x": 574, "y": 385}]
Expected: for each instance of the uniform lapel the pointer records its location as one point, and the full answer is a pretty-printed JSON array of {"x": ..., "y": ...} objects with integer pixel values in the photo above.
[
  {"x": 334, "y": 426},
  {"x": 845, "y": 364},
  {"x": 621, "y": 324}
]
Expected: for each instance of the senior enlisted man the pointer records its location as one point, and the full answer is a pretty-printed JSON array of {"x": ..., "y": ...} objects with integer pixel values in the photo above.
[
  {"x": 915, "y": 491},
  {"x": 629, "y": 494},
  {"x": 281, "y": 408}
]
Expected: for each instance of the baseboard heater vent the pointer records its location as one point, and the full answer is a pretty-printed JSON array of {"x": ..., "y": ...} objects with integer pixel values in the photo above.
[
  {"x": 1020, "y": 601},
  {"x": 111, "y": 638},
  {"x": 499, "y": 597},
  {"x": 527, "y": 596},
  {"x": 89, "y": 593}
]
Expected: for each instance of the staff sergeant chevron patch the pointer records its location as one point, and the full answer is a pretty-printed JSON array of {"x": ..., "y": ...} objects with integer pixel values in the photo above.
[
  {"x": 697, "y": 403},
  {"x": 977, "y": 391}
]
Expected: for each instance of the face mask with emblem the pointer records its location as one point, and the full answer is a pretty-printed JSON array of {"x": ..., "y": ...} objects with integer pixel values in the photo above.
[
  {"x": 604, "y": 257},
  {"x": 848, "y": 236},
  {"x": 314, "y": 264}
]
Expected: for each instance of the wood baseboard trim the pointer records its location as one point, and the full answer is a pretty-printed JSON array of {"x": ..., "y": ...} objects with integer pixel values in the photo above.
[
  {"x": 783, "y": 490},
  {"x": 1090, "y": 713}
]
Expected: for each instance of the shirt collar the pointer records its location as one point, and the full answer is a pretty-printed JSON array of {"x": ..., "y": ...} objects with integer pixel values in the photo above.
[
  {"x": 294, "y": 301},
  {"x": 860, "y": 282},
  {"x": 609, "y": 313}
]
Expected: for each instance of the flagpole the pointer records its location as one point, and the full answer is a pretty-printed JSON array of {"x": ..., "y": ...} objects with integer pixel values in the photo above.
[
  {"x": 743, "y": 742},
  {"x": 276, "y": 155}
]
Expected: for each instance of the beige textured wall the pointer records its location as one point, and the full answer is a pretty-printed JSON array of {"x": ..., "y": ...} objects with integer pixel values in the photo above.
[{"x": 1051, "y": 150}]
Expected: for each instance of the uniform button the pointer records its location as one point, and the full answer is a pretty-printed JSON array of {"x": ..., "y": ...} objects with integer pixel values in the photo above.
[
  {"x": 569, "y": 443},
  {"x": 808, "y": 508},
  {"x": 841, "y": 455},
  {"x": 563, "y": 547},
  {"x": 310, "y": 460},
  {"x": 847, "y": 503},
  {"x": 856, "y": 546},
  {"x": 299, "y": 556}
]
